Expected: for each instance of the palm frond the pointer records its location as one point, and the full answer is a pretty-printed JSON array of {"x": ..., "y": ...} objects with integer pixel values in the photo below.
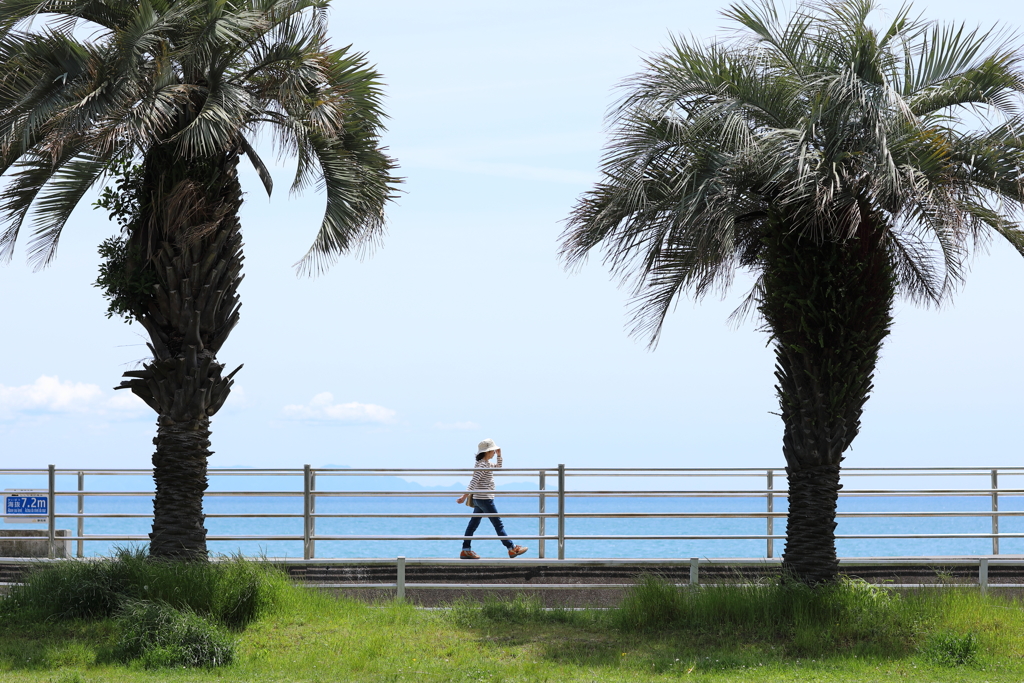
[
  {"x": 32, "y": 172},
  {"x": 109, "y": 14},
  {"x": 358, "y": 184},
  {"x": 60, "y": 197},
  {"x": 820, "y": 121},
  {"x": 257, "y": 163},
  {"x": 198, "y": 77}
]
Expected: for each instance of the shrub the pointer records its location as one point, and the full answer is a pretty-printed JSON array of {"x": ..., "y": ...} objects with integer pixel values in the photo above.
[
  {"x": 246, "y": 591},
  {"x": 159, "y": 635},
  {"x": 233, "y": 591}
]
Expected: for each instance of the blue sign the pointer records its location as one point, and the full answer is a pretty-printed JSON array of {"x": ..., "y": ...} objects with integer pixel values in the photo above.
[{"x": 25, "y": 505}]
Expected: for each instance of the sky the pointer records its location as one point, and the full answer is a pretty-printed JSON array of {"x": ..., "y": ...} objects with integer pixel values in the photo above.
[{"x": 464, "y": 325}]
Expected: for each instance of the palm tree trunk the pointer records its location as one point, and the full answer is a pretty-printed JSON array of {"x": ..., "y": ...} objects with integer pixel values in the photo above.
[
  {"x": 179, "y": 470},
  {"x": 188, "y": 233},
  {"x": 828, "y": 305}
]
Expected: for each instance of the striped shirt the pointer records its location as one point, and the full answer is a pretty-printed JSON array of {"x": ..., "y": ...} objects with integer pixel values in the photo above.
[{"x": 483, "y": 480}]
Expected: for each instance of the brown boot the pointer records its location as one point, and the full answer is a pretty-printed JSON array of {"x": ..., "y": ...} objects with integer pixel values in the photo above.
[
  {"x": 470, "y": 555},
  {"x": 516, "y": 551}
]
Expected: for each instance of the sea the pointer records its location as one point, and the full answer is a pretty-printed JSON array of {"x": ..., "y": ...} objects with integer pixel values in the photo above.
[{"x": 357, "y": 496}]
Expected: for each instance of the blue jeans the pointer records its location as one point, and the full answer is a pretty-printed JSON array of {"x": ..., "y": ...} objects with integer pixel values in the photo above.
[{"x": 485, "y": 507}]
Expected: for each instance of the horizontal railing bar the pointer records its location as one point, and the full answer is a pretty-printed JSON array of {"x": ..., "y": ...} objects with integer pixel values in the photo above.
[
  {"x": 972, "y": 468},
  {"x": 427, "y": 494},
  {"x": 776, "y": 515},
  {"x": 70, "y": 493},
  {"x": 433, "y": 515},
  {"x": 506, "y": 471},
  {"x": 622, "y": 537},
  {"x": 619, "y": 586},
  {"x": 282, "y": 537},
  {"x": 757, "y": 474},
  {"x": 590, "y": 515},
  {"x": 924, "y": 561},
  {"x": 546, "y": 515},
  {"x": 550, "y": 515},
  {"x": 569, "y": 471},
  {"x": 748, "y": 493},
  {"x": 319, "y": 515},
  {"x": 476, "y": 586},
  {"x": 779, "y": 493},
  {"x": 557, "y": 586},
  {"x": 545, "y": 587},
  {"x": 746, "y": 515},
  {"x": 617, "y": 537},
  {"x": 220, "y": 515},
  {"x": 615, "y": 561},
  {"x": 760, "y": 493}
]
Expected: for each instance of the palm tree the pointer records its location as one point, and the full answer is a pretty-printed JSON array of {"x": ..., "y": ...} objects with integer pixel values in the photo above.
[
  {"x": 167, "y": 96},
  {"x": 841, "y": 163}
]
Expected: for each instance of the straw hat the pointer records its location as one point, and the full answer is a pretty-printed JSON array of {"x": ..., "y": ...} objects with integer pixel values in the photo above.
[{"x": 486, "y": 445}]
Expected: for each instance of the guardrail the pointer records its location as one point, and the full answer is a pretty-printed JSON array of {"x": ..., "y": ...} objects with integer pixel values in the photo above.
[
  {"x": 400, "y": 585},
  {"x": 312, "y": 478}
]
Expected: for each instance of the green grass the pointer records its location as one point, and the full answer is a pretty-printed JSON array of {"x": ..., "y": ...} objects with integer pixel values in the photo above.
[
  {"x": 851, "y": 617},
  {"x": 761, "y": 633},
  {"x": 156, "y": 635}
]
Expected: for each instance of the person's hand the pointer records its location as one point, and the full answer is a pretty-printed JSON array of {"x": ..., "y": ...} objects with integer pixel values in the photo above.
[
  {"x": 462, "y": 499},
  {"x": 497, "y": 452}
]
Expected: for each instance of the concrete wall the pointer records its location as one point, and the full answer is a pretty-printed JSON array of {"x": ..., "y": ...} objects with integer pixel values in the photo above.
[{"x": 33, "y": 547}]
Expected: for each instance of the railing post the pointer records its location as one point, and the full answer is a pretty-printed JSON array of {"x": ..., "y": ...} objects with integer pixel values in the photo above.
[
  {"x": 51, "y": 521},
  {"x": 306, "y": 513},
  {"x": 995, "y": 508},
  {"x": 81, "y": 511},
  {"x": 561, "y": 512},
  {"x": 400, "y": 578},
  {"x": 983, "y": 575},
  {"x": 694, "y": 571},
  {"x": 771, "y": 519},
  {"x": 312, "y": 514},
  {"x": 540, "y": 520}
]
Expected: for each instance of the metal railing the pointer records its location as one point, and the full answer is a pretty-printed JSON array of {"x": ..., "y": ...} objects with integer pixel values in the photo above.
[
  {"x": 401, "y": 585},
  {"x": 941, "y": 565},
  {"x": 311, "y": 478}
]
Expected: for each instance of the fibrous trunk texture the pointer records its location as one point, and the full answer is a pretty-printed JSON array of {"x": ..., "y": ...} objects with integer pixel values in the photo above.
[
  {"x": 179, "y": 470},
  {"x": 189, "y": 235},
  {"x": 828, "y": 304}
]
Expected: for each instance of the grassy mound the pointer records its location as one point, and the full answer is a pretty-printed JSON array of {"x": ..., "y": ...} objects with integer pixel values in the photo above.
[
  {"x": 233, "y": 592},
  {"x": 164, "y": 613},
  {"x": 158, "y": 635},
  {"x": 851, "y": 616}
]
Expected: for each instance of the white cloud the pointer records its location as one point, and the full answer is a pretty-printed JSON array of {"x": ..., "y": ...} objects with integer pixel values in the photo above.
[
  {"x": 461, "y": 426},
  {"x": 50, "y": 395},
  {"x": 323, "y": 407},
  {"x": 125, "y": 400}
]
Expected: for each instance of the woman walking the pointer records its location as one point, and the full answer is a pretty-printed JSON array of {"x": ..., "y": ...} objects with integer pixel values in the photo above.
[{"x": 481, "y": 491}]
